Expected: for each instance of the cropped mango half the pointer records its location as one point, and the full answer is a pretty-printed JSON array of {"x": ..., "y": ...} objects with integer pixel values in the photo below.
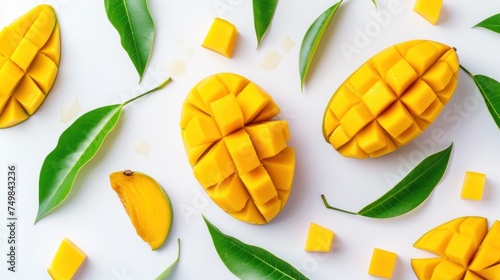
[
  {"x": 464, "y": 249},
  {"x": 29, "y": 62},
  {"x": 391, "y": 99},
  {"x": 238, "y": 154}
]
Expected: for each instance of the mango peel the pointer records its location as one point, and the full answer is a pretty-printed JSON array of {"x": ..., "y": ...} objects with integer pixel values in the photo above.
[
  {"x": 238, "y": 154},
  {"x": 464, "y": 249},
  {"x": 147, "y": 205},
  {"x": 29, "y": 62},
  {"x": 391, "y": 99}
]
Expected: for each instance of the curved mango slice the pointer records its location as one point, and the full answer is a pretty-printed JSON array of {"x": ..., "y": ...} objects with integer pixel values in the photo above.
[
  {"x": 29, "y": 61},
  {"x": 391, "y": 99},
  {"x": 238, "y": 154},
  {"x": 466, "y": 250},
  {"x": 147, "y": 204}
]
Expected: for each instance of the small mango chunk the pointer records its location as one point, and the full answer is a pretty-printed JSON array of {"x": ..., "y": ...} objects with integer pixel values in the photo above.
[
  {"x": 67, "y": 261},
  {"x": 29, "y": 62},
  {"x": 382, "y": 263},
  {"x": 238, "y": 153},
  {"x": 221, "y": 37},
  {"x": 467, "y": 250},
  {"x": 428, "y": 9},
  {"x": 403, "y": 89},
  {"x": 319, "y": 238},
  {"x": 473, "y": 185}
]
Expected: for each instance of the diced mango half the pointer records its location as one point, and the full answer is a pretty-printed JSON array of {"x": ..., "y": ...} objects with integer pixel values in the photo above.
[
  {"x": 29, "y": 62},
  {"x": 319, "y": 238},
  {"x": 428, "y": 9},
  {"x": 465, "y": 250},
  {"x": 403, "y": 88},
  {"x": 473, "y": 185},
  {"x": 382, "y": 263},
  {"x": 239, "y": 155},
  {"x": 66, "y": 261},
  {"x": 221, "y": 37}
]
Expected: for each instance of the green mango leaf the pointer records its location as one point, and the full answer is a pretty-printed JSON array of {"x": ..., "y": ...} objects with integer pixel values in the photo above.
[
  {"x": 492, "y": 23},
  {"x": 250, "y": 262},
  {"x": 490, "y": 90},
  {"x": 166, "y": 273},
  {"x": 410, "y": 192},
  {"x": 263, "y": 13},
  {"x": 311, "y": 40},
  {"x": 77, "y": 145},
  {"x": 132, "y": 20}
]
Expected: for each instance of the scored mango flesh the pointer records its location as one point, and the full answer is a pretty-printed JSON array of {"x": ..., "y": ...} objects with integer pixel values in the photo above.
[
  {"x": 147, "y": 205},
  {"x": 29, "y": 61},
  {"x": 391, "y": 99},
  {"x": 238, "y": 154},
  {"x": 466, "y": 249}
]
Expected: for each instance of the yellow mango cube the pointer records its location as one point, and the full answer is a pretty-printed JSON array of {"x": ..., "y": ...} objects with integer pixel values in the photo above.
[
  {"x": 382, "y": 263},
  {"x": 428, "y": 9},
  {"x": 460, "y": 249},
  {"x": 221, "y": 37},
  {"x": 424, "y": 268},
  {"x": 67, "y": 260},
  {"x": 319, "y": 239},
  {"x": 473, "y": 186},
  {"x": 447, "y": 270}
]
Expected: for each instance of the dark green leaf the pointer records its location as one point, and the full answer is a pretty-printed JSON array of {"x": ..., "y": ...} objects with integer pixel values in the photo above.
[
  {"x": 165, "y": 274},
  {"x": 250, "y": 262},
  {"x": 312, "y": 39},
  {"x": 263, "y": 13},
  {"x": 492, "y": 23},
  {"x": 132, "y": 20},
  {"x": 490, "y": 90},
  {"x": 409, "y": 192},
  {"x": 76, "y": 146}
]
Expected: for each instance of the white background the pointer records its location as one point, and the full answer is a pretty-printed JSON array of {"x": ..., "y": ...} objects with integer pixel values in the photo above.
[{"x": 96, "y": 71}]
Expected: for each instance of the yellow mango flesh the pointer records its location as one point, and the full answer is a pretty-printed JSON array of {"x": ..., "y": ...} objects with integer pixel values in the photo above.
[
  {"x": 66, "y": 261},
  {"x": 239, "y": 155},
  {"x": 147, "y": 205},
  {"x": 29, "y": 62},
  {"x": 221, "y": 37},
  {"x": 467, "y": 250},
  {"x": 473, "y": 185},
  {"x": 391, "y": 99},
  {"x": 382, "y": 263},
  {"x": 428, "y": 9},
  {"x": 319, "y": 238}
]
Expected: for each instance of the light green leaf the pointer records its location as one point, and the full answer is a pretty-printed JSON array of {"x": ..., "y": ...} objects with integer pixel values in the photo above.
[
  {"x": 492, "y": 23},
  {"x": 263, "y": 13},
  {"x": 134, "y": 23},
  {"x": 490, "y": 90},
  {"x": 77, "y": 145},
  {"x": 166, "y": 273},
  {"x": 409, "y": 192},
  {"x": 250, "y": 262},
  {"x": 312, "y": 39}
]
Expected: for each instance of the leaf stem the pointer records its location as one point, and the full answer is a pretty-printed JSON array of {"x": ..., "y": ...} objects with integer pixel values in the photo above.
[
  {"x": 162, "y": 85},
  {"x": 467, "y": 71},
  {"x": 334, "y": 208}
]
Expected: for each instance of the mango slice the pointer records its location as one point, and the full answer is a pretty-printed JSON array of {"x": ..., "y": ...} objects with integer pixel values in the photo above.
[
  {"x": 238, "y": 154},
  {"x": 466, "y": 249},
  {"x": 147, "y": 204},
  {"x": 428, "y": 9},
  {"x": 67, "y": 261},
  {"x": 391, "y": 99},
  {"x": 382, "y": 263},
  {"x": 221, "y": 37},
  {"x": 29, "y": 61}
]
